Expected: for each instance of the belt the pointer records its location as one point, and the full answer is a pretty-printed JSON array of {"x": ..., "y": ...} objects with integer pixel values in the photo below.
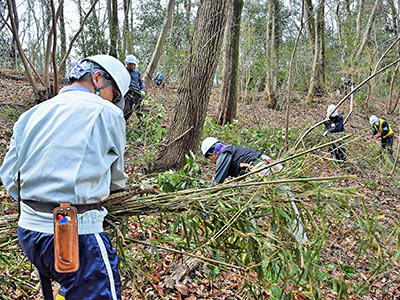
[{"x": 48, "y": 207}]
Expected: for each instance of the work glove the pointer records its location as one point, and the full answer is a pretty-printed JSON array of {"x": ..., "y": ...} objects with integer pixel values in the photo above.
[{"x": 142, "y": 93}]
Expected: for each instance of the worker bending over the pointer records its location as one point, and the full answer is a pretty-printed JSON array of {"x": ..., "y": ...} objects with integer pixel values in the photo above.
[{"x": 382, "y": 129}]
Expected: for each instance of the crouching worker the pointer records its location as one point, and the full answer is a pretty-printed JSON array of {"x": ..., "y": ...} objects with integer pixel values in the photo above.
[
  {"x": 70, "y": 154},
  {"x": 136, "y": 91},
  {"x": 333, "y": 127},
  {"x": 382, "y": 129},
  {"x": 235, "y": 161}
]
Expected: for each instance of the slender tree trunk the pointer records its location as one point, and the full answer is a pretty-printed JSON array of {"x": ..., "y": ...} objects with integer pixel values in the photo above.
[
  {"x": 359, "y": 18},
  {"x": 318, "y": 72},
  {"x": 196, "y": 83},
  {"x": 82, "y": 36},
  {"x": 63, "y": 39},
  {"x": 367, "y": 31},
  {"x": 229, "y": 91},
  {"x": 54, "y": 56},
  {"x": 188, "y": 8},
  {"x": 127, "y": 38},
  {"x": 113, "y": 23},
  {"x": 14, "y": 49},
  {"x": 310, "y": 21},
  {"x": 271, "y": 53},
  {"x": 152, "y": 66}
]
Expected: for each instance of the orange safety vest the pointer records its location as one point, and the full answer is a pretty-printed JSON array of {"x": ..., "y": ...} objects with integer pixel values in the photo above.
[{"x": 379, "y": 129}]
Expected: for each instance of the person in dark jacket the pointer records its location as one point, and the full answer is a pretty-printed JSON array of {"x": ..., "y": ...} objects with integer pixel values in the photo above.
[
  {"x": 382, "y": 129},
  {"x": 160, "y": 79},
  {"x": 333, "y": 126},
  {"x": 136, "y": 91},
  {"x": 230, "y": 160},
  {"x": 235, "y": 161}
]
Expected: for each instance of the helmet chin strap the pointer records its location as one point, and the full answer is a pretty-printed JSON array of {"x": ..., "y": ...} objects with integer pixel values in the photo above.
[{"x": 97, "y": 89}]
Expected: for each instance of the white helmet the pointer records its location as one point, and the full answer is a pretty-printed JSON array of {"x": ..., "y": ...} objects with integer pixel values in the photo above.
[
  {"x": 131, "y": 59},
  {"x": 331, "y": 108},
  {"x": 116, "y": 70},
  {"x": 207, "y": 144},
  {"x": 373, "y": 120}
]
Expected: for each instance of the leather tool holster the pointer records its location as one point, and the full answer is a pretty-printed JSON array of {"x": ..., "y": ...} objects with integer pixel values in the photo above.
[{"x": 66, "y": 242}]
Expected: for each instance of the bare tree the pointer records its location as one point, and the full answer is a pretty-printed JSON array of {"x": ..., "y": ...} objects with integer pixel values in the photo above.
[
  {"x": 112, "y": 9},
  {"x": 229, "y": 91},
  {"x": 317, "y": 80},
  {"x": 310, "y": 28},
  {"x": 271, "y": 53},
  {"x": 195, "y": 86},
  {"x": 127, "y": 40},
  {"x": 359, "y": 50},
  {"x": 152, "y": 66},
  {"x": 63, "y": 38}
]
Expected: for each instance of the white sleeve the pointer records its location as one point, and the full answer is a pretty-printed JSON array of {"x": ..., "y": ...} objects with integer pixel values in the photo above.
[
  {"x": 9, "y": 168},
  {"x": 118, "y": 176}
]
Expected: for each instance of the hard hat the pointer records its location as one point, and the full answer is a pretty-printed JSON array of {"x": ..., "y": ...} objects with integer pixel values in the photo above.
[
  {"x": 116, "y": 70},
  {"x": 207, "y": 144},
  {"x": 373, "y": 120},
  {"x": 331, "y": 108},
  {"x": 131, "y": 59}
]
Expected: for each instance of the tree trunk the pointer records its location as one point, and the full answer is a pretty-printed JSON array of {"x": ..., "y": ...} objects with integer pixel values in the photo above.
[
  {"x": 229, "y": 92},
  {"x": 317, "y": 79},
  {"x": 113, "y": 23},
  {"x": 54, "y": 56},
  {"x": 271, "y": 53},
  {"x": 151, "y": 67},
  {"x": 188, "y": 8},
  {"x": 367, "y": 30},
  {"x": 14, "y": 48},
  {"x": 359, "y": 18},
  {"x": 127, "y": 38},
  {"x": 195, "y": 86},
  {"x": 63, "y": 39},
  {"x": 310, "y": 24}
]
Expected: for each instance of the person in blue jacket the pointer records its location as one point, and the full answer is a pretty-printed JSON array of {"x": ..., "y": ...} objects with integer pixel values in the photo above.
[
  {"x": 160, "y": 79},
  {"x": 136, "y": 91},
  {"x": 71, "y": 149},
  {"x": 235, "y": 161},
  {"x": 231, "y": 160},
  {"x": 333, "y": 126}
]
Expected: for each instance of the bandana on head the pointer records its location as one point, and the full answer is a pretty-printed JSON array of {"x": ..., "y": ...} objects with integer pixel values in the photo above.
[
  {"x": 217, "y": 147},
  {"x": 81, "y": 68}
]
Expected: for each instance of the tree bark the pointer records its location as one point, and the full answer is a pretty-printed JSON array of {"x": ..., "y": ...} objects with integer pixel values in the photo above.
[
  {"x": 196, "y": 83},
  {"x": 310, "y": 21},
  {"x": 127, "y": 39},
  {"x": 317, "y": 79},
  {"x": 367, "y": 31},
  {"x": 63, "y": 39},
  {"x": 152, "y": 66},
  {"x": 230, "y": 66},
  {"x": 271, "y": 53},
  {"x": 14, "y": 48},
  {"x": 54, "y": 52},
  {"x": 188, "y": 8},
  {"x": 113, "y": 23}
]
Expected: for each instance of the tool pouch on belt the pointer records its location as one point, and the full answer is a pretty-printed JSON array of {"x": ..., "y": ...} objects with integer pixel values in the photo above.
[{"x": 66, "y": 243}]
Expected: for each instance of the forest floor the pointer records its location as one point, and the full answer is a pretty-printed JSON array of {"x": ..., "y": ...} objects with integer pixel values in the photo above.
[{"x": 378, "y": 187}]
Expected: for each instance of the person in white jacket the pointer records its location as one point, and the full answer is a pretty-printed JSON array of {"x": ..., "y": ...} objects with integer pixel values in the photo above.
[{"x": 71, "y": 149}]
